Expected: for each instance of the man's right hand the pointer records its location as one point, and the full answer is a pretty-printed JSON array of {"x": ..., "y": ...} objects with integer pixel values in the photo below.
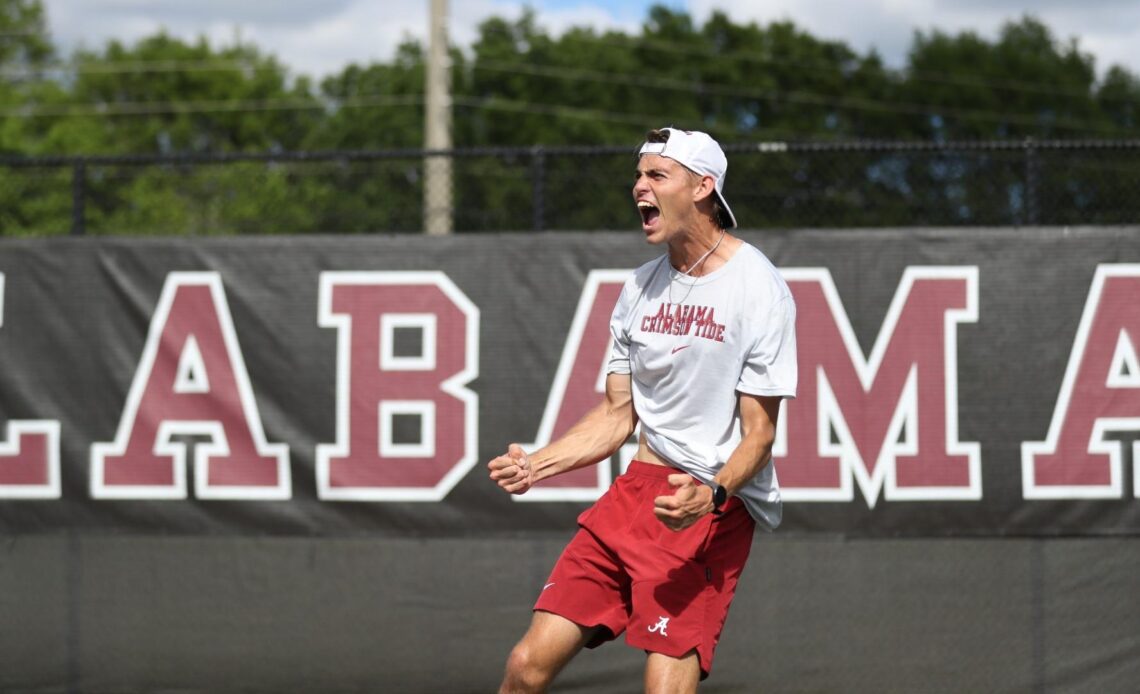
[{"x": 512, "y": 471}]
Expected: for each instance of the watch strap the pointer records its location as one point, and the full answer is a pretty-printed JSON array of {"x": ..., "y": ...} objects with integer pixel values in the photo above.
[{"x": 720, "y": 498}]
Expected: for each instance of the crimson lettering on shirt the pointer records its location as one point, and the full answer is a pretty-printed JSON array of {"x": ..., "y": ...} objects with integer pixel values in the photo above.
[
  {"x": 1100, "y": 394},
  {"x": 191, "y": 381},
  {"x": 683, "y": 319},
  {"x": 579, "y": 385},
  {"x": 29, "y": 453},
  {"x": 379, "y": 382},
  {"x": 894, "y": 415}
]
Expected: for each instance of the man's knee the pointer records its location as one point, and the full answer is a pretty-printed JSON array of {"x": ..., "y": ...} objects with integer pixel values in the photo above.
[
  {"x": 526, "y": 672},
  {"x": 668, "y": 674}
]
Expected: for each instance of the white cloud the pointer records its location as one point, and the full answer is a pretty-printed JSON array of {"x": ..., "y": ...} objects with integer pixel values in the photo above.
[
  {"x": 1110, "y": 29},
  {"x": 311, "y": 38},
  {"x": 307, "y": 40},
  {"x": 879, "y": 25},
  {"x": 322, "y": 38}
]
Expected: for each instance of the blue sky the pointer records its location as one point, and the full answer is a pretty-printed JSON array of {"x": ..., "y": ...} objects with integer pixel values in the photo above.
[
  {"x": 623, "y": 10},
  {"x": 633, "y": 9},
  {"x": 318, "y": 38}
]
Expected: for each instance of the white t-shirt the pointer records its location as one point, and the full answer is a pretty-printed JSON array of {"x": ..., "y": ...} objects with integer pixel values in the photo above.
[{"x": 690, "y": 344}]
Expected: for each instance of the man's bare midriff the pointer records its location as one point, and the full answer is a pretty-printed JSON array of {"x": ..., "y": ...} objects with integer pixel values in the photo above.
[{"x": 646, "y": 454}]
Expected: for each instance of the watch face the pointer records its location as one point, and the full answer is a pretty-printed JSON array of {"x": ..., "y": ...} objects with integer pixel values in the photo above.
[{"x": 720, "y": 495}]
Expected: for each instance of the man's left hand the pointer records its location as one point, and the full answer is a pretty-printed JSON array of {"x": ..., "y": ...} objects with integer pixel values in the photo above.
[{"x": 688, "y": 503}]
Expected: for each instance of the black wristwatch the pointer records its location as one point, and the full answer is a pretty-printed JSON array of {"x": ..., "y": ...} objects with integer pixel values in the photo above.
[{"x": 720, "y": 496}]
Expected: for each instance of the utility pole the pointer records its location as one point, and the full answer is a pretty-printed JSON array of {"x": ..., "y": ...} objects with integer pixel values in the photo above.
[{"x": 437, "y": 125}]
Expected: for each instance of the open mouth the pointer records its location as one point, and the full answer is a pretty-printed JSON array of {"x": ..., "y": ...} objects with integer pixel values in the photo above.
[{"x": 649, "y": 212}]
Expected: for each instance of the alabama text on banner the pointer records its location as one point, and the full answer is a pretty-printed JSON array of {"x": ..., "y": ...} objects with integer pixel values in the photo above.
[{"x": 952, "y": 382}]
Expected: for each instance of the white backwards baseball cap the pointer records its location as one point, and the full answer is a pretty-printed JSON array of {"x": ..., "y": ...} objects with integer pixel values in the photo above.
[{"x": 697, "y": 152}]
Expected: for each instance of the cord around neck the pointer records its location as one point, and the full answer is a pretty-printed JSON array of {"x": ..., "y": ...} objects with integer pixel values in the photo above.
[{"x": 688, "y": 273}]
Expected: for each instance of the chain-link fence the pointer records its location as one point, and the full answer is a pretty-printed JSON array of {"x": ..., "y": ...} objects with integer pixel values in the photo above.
[{"x": 773, "y": 184}]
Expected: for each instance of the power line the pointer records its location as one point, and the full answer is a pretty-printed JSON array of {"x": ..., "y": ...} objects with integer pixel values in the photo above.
[
  {"x": 625, "y": 79},
  {"x": 901, "y": 74},
  {"x": 499, "y": 104},
  {"x": 801, "y": 97},
  {"x": 635, "y": 42},
  {"x": 144, "y": 66},
  {"x": 158, "y": 108},
  {"x": 190, "y": 107},
  {"x": 127, "y": 67}
]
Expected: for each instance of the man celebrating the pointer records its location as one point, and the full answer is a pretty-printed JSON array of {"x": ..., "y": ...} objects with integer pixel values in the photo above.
[{"x": 704, "y": 349}]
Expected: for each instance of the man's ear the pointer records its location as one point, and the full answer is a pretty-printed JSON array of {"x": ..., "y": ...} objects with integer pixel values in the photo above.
[{"x": 704, "y": 189}]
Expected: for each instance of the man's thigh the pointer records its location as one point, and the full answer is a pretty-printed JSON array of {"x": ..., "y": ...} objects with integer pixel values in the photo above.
[{"x": 552, "y": 640}]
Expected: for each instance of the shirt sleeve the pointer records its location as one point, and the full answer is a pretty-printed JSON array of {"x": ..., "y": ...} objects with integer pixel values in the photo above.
[
  {"x": 619, "y": 334},
  {"x": 770, "y": 366}
]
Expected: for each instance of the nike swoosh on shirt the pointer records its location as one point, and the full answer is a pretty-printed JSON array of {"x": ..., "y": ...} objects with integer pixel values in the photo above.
[
  {"x": 547, "y": 586},
  {"x": 678, "y": 349}
]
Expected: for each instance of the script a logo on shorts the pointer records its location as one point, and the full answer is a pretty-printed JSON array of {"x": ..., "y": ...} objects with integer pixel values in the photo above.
[{"x": 659, "y": 627}]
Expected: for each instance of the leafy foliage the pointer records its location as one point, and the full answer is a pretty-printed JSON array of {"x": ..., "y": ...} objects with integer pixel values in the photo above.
[{"x": 518, "y": 85}]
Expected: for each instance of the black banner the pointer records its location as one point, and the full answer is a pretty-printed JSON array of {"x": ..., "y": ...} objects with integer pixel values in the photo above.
[{"x": 952, "y": 382}]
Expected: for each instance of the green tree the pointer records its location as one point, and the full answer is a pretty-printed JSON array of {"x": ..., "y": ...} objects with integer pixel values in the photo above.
[
  {"x": 1119, "y": 99},
  {"x": 1024, "y": 84},
  {"x": 518, "y": 85},
  {"x": 30, "y": 199},
  {"x": 24, "y": 43},
  {"x": 166, "y": 96}
]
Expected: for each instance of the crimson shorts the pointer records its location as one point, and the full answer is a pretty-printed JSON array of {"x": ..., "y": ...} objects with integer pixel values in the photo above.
[{"x": 625, "y": 571}]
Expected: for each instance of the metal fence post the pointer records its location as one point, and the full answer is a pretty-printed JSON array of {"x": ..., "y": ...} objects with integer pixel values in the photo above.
[
  {"x": 78, "y": 197},
  {"x": 1031, "y": 212},
  {"x": 538, "y": 173}
]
